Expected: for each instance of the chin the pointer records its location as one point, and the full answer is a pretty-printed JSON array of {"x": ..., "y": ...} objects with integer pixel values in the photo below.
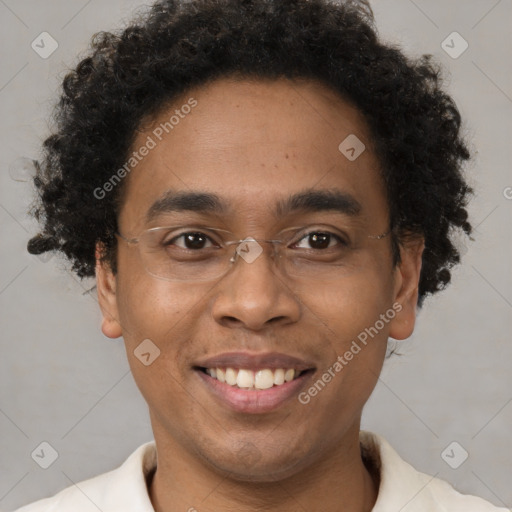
[{"x": 251, "y": 466}]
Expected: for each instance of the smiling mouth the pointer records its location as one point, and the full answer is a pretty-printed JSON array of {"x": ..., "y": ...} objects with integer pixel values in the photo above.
[{"x": 255, "y": 380}]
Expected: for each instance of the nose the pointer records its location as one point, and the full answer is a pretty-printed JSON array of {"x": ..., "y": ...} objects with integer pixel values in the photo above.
[{"x": 254, "y": 293}]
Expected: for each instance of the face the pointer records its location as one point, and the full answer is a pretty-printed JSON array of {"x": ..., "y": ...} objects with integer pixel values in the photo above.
[{"x": 254, "y": 145}]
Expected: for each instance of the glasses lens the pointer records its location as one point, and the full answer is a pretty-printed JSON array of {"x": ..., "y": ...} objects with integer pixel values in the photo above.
[
  {"x": 179, "y": 254},
  {"x": 186, "y": 254},
  {"x": 318, "y": 267}
]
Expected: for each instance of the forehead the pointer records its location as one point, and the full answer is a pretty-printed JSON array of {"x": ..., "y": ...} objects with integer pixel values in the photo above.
[{"x": 253, "y": 144}]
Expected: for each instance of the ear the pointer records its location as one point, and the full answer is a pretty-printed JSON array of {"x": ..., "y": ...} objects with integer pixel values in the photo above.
[
  {"x": 106, "y": 287},
  {"x": 407, "y": 276}
]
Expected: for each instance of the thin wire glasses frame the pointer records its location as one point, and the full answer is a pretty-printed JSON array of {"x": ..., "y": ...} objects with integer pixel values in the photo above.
[{"x": 159, "y": 263}]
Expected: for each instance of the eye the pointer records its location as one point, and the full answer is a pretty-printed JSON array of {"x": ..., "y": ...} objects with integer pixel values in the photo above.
[
  {"x": 320, "y": 240},
  {"x": 192, "y": 240}
]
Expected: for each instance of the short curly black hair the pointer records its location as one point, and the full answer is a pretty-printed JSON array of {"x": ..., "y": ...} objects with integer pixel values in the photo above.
[{"x": 129, "y": 75}]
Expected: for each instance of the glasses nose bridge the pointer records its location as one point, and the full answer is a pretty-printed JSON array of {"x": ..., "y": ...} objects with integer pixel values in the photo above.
[{"x": 253, "y": 249}]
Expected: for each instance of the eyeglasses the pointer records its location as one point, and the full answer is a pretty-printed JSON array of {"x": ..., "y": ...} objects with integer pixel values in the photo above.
[{"x": 186, "y": 253}]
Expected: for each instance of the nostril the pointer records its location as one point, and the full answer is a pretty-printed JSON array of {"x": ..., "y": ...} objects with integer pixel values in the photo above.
[
  {"x": 276, "y": 319},
  {"x": 231, "y": 319}
]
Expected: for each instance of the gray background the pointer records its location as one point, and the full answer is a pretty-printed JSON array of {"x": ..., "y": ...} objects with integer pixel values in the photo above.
[{"x": 64, "y": 383}]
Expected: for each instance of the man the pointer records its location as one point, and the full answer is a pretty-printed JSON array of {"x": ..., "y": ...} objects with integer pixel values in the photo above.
[{"x": 256, "y": 185}]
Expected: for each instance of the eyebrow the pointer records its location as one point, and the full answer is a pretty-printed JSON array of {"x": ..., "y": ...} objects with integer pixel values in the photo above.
[
  {"x": 314, "y": 200},
  {"x": 201, "y": 202},
  {"x": 310, "y": 200}
]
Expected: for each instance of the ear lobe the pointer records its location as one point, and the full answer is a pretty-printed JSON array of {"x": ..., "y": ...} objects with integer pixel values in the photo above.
[
  {"x": 106, "y": 287},
  {"x": 406, "y": 288}
]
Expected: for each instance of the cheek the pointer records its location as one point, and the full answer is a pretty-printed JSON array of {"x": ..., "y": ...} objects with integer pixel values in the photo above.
[
  {"x": 355, "y": 315},
  {"x": 156, "y": 319},
  {"x": 153, "y": 316},
  {"x": 148, "y": 307},
  {"x": 352, "y": 304}
]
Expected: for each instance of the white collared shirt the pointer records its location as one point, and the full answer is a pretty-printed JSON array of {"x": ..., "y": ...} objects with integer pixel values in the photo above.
[{"x": 402, "y": 488}]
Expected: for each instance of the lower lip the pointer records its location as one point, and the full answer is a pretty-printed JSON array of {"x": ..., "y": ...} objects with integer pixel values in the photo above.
[{"x": 254, "y": 401}]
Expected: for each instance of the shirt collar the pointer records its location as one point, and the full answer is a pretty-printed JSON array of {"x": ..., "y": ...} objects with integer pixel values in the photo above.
[
  {"x": 401, "y": 488},
  {"x": 411, "y": 493}
]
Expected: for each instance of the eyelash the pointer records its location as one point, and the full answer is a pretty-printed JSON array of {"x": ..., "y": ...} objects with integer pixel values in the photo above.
[
  {"x": 343, "y": 243},
  {"x": 340, "y": 240}
]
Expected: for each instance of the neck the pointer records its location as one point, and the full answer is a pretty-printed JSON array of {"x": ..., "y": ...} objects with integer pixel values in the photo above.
[{"x": 339, "y": 481}]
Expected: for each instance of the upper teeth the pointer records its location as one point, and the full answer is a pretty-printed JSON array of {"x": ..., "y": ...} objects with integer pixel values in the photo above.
[{"x": 247, "y": 379}]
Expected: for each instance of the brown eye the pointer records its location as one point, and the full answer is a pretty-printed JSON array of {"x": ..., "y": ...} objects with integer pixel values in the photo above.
[
  {"x": 320, "y": 240},
  {"x": 190, "y": 240}
]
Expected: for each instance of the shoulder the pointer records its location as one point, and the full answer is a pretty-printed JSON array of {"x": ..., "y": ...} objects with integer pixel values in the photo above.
[
  {"x": 404, "y": 488},
  {"x": 450, "y": 500},
  {"x": 121, "y": 489}
]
